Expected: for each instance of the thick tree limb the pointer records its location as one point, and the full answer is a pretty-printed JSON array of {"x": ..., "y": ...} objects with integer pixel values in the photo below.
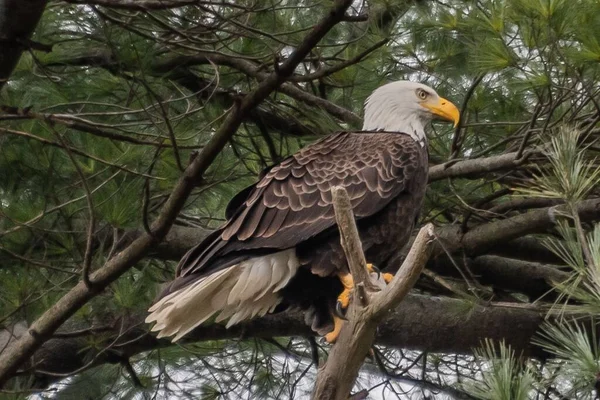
[
  {"x": 426, "y": 323},
  {"x": 41, "y": 330},
  {"x": 530, "y": 278},
  {"x": 519, "y": 268},
  {"x": 18, "y": 19},
  {"x": 336, "y": 378},
  {"x": 526, "y": 249},
  {"x": 481, "y": 239},
  {"x": 507, "y": 237}
]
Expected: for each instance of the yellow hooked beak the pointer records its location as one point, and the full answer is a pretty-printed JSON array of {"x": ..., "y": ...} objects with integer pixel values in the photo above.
[{"x": 444, "y": 109}]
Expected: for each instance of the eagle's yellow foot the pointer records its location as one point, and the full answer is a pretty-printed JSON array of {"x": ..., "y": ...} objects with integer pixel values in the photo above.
[
  {"x": 332, "y": 336},
  {"x": 348, "y": 282},
  {"x": 343, "y": 299}
]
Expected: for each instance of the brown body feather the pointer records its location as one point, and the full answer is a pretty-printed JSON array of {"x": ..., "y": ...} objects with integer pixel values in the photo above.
[{"x": 385, "y": 175}]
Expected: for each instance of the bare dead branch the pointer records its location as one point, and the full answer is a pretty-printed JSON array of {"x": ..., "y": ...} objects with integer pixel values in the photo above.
[
  {"x": 408, "y": 273},
  {"x": 350, "y": 239},
  {"x": 336, "y": 378}
]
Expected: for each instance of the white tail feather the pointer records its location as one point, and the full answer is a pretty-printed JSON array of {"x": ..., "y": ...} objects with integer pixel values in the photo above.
[{"x": 237, "y": 293}]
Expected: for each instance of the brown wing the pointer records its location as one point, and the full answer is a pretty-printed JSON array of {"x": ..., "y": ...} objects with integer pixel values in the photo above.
[{"x": 292, "y": 201}]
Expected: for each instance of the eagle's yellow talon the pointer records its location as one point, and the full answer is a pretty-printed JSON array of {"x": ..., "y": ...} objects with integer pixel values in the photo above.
[
  {"x": 343, "y": 301},
  {"x": 344, "y": 298},
  {"x": 332, "y": 336},
  {"x": 387, "y": 277}
]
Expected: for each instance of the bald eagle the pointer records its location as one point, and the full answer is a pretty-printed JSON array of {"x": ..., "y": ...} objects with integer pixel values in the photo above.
[{"x": 280, "y": 246}]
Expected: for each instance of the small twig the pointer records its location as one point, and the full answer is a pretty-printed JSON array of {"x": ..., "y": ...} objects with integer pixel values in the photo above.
[
  {"x": 78, "y": 124},
  {"x": 321, "y": 73},
  {"x": 363, "y": 394},
  {"x": 525, "y": 141},
  {"x": 457, "y": 139},
  {"x": 75, "y": 151},
  {"x": 87, "y": 257},
  {"x": 44, "y": 213},
  {"x": 165, "y": 115},
  {"x": 132, "y": 374},
  {"x": 146, "y": 195},
  {"x": 115, "y": 242},
  {"x": 314, "y": 351},
  {"x": 82, "y": 332},
  {"x": 34, "y": 262},
  {"x": 581, "y": 236}
]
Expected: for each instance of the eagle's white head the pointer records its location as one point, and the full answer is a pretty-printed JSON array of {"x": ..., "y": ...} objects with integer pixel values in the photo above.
[{"x": 407, "y": 107}]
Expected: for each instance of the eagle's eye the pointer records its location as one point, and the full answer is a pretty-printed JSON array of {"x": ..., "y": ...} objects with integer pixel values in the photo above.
[{"x": 422, "y": 94}]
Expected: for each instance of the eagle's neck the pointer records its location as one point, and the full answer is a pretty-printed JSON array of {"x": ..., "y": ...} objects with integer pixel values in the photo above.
[
  {"x": 411, "y": 124},
  {"x": 391, "y": 114}
]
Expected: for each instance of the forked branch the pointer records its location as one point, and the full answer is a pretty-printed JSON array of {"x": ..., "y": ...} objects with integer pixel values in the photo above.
[{"x": 336, "y": 378}]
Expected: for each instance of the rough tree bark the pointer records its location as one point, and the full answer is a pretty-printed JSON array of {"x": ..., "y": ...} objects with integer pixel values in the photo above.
[
  {"x": 434, "y": 324},
  {"x": 336, "y": 378}
]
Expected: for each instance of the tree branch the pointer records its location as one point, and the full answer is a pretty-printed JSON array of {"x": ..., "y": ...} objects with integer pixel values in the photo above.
[
  {"x": 475, "y": 167},
  {"x": 530, "y": 278},
  {"x": 254, "y": 70},
  {"x": 336, "y": 378},
  {"x": 350, "y": 240},
  {"x": 435, "y": 324}
]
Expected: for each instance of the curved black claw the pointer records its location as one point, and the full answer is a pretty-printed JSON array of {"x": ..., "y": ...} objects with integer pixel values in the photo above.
[
  {"x": 339, "y": 311},
  {"x": 376, "y": 270}
]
